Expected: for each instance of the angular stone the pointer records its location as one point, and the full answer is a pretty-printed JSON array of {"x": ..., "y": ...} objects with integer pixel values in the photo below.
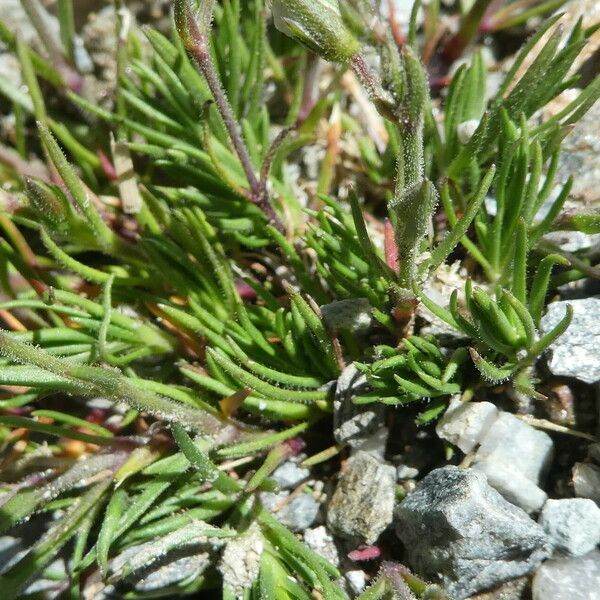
[
  {"x": 576, "y": 353},
  {"x": 355, "y": 425},
  {"x": 456, "y": 528},
  {"x": 513, "y": 485},
  {"x": 586, "y": 481},
  {"x": 465, "y": 423},
  {"x": 362, "y": 505},
  {"x": 512, "y": 443},
  {"x": 514, "y": 457},
  {"x": 569, "y": 579},
  {"x": 572, "y": 524}
]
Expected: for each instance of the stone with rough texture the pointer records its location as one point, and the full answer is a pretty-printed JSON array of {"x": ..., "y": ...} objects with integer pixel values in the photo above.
[
  {"x": 513, "y": 485},
  {"x": 512, "y": 442},
  {"x": 572, "y": 524},
  {"x": 514, "y": 457},
  {"x": 511, "y": 590},
  {"x": 586, "y": 481},
  {"x": 240, "y": 562},
  {"x": 465, "y": 423},
  {"x": 576, "y": 353},
  {"x": 362, "y": 505},
  {"x": 297, "y": 514},
  {"x": 456, "y": 528},
  {"x": 355, "y": 425},
  {"x": 569, "y": 579},
  {"x": 321, "y": 541}
]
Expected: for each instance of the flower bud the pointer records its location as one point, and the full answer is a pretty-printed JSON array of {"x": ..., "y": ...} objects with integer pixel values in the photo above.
[{"x": 317, "y": 24}]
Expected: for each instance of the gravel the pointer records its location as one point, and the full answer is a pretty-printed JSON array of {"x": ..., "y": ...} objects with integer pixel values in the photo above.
[
  {"x": 362, "y": 505},
  {"x": 586, "y": 481},
  {"x": 576, "y": 353},
  {"x": 298, "y": 514},
  {"x": 572, "y": 524},
  {"x": 465, "y": 423},
  {"x": 356, "y": 425},
  {"x": 456, "y": 528},
  {"x": 290, "y": 474},
  {"x": 569, "y": 579},
  {"x": 514, "y": 456}
]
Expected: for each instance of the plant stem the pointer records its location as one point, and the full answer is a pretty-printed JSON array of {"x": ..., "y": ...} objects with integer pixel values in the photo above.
[{"x": 198, "y": 47}]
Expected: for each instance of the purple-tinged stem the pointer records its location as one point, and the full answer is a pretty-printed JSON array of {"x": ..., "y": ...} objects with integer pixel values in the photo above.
[{"x": 198, "y": 47}]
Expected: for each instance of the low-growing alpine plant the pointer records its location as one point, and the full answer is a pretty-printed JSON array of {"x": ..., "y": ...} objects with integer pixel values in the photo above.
[{"x": 181, "y": 289}]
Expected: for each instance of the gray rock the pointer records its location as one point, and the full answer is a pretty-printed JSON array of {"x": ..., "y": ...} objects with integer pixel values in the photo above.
[
  {"x": 512, "y": 442},
  {"x": 569, "y": 579},
  {"x": 289, "y": 475},
  {"x": 353, "y": 314},
  {"x": 362, "y": 505},
  {"x": 586, "y": 481},
  {"x": 513, "y": 485},
  {"x": 456, "y": 528},
  {"x": 572, "y": 524},
  {"x": 576, "y": 353},
  {"x": 580, "y": 149},
  {"x": 297, "y": 514},
  {"x": 355, "y": 425},
  {"x": 177, "y": 571},
  {"x": 464, "y": 424},
  {"x": 514, "y": 456}
]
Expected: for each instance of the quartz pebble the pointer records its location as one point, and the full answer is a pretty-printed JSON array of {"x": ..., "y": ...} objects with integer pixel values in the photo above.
[
  {"x": 569, "y": 579},
  {"x": 514, "y": 456},
  {"x": 465, "y": 423},
  {"x": 456, "y": 528},
  {"x": 586, "y": 481},
  {"x": 363, "y": 502},
  {"x": 321, "y": 541},
  {"x": 576, "y": 353},
  {"x": 572, "y": 524}
]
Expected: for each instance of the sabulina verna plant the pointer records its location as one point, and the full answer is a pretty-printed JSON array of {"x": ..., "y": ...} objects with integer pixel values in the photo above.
[{"x": 205, "y": 246}]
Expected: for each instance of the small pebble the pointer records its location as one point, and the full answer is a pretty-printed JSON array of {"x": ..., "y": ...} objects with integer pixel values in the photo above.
[
  {"x": 572, "y": 524},
  {"x": 586, "y": 481},
  {"x": 289, "y": 475},
  {"x": 464, "y": 424},
  {"x": 569, "y": 579},
  {"x": 363, "y": 502},
  {"x": 298, "y": 514}
]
